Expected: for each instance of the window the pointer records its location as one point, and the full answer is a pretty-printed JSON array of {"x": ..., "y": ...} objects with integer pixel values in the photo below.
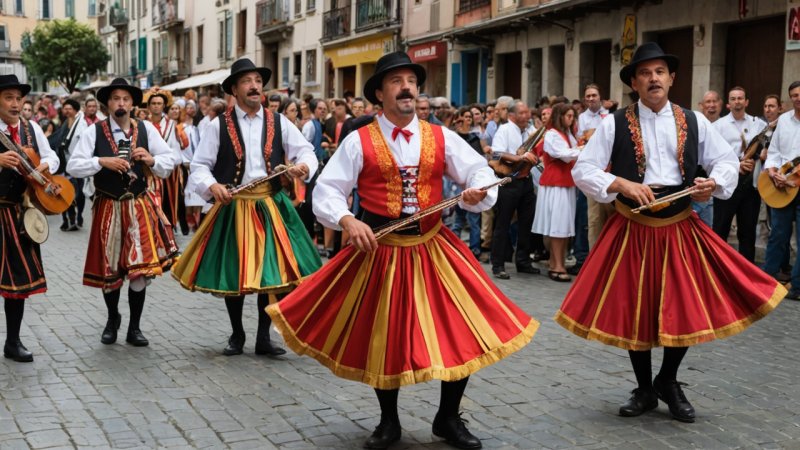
[
  {"x": 92, "y": 8},
  {"x": 18, "y": 10},
  {"x": 134, "y": 59},
  {"x": 311, "y": 65},
  {"x": 5, "y": 45},
  {"x": 200, "y": 44},
  {"x": 187, "y": 47},
  {"x": 228, "y": 34},
  {"x": 156, "y": 52},
  {"x": 221, "y": 39},
  {"x": 311, "y": 5},
  {"x": 45, "y": 9},
  {"x": 69, "y": 8},
  {"x": 142, "y": 54},
  {"x": 241, "y": 35},
  {"x": 298, "y": 7},
  {"x": 285, "y": 72}
]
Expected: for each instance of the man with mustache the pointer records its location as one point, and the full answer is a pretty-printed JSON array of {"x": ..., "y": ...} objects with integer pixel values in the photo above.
[
  {"x": 414, "y": 305},
  {"x": 130, "y": 237},
  {"x": 23, "y": 274},
  {"x": 660, "y": 277},
  {"x": 251, "y": 242}
]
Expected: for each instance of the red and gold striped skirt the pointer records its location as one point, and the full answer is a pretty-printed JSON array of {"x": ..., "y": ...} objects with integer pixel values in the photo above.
[
  {"x": 665, "y": 282},
  {"x": 418, "y": 308},
  {"x": 129, "y": 238}
]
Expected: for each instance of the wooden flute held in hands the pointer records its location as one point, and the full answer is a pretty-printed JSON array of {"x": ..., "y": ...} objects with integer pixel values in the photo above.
[
  {"x": 279, "y": 170},
  {"x": 419, "y": 215},
  {"x": 664, "y": 201}
]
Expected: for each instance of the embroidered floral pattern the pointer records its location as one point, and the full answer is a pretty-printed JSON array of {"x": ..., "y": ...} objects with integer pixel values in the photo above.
[
  {"x": 681, "y": 131},
  {"x": 110, "y": 138},
  {"x": 638, "y": 142},
  {"x": 237, "y": 143},
  {"x": 427, "y": 158},
  {"x": 389, "y": 170}
]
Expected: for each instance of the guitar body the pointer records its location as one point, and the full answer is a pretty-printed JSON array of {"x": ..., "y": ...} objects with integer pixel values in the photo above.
[
  {"x": 501, "y": 169},
  {"x": 774, "y": 197},
  {"x": 42, "y": 195}
]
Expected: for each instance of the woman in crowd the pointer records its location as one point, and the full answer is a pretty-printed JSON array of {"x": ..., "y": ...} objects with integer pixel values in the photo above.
[
  {"x": 555, "y": 208},
  {"x": 290, "y": 107}
]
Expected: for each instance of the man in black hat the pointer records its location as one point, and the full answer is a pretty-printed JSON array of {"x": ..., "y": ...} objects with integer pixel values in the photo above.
[
  {"x": 414, "y": 305},
  {"x": 252, "y": 241},
  {"x": 23, "y": 274},
  {"x": 660, "y": 277},
  {"x": 129, "y": 237}
]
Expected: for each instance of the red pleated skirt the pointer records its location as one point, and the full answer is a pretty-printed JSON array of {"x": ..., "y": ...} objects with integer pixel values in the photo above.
[
  {"x": 665, "y": 282},
  {"x": 418, "y": 308}
]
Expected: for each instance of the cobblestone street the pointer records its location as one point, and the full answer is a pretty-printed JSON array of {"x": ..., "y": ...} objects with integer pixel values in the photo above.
[{"x": 558, "y": 392}]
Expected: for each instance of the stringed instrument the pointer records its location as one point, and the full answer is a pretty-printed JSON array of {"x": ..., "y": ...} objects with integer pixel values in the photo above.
[
  {"x": 503, "y": 168},
  {"x": 776, "y": 197},
  {"x": 51, "y": 194}
]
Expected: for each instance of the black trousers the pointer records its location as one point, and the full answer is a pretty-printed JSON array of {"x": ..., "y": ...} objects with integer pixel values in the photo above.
[
  {"x": 744, "y": 204},
  {"x": 517, "y": 196}
]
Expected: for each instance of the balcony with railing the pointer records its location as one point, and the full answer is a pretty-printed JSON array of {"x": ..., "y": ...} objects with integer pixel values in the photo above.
[
  {"x": 336, "y": 23},
  {"x": 168, "y": 13},
  {"x": 118, "y": 17},
  {"x": 271, "y": 16},
  {"x": 373, "y": 13}
]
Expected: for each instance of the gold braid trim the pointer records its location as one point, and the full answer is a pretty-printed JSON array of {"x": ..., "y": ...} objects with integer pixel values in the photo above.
[
  {"x": 427, "y": 158},
  {"x": 388, "y": 168}
]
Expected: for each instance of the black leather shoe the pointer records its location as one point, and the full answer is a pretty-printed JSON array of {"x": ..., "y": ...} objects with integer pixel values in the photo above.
[
  {"x": 80, "y": 221},
  {"x": 64, "y": 226},
  {"x": 110, "y": 331},
  {"x": 670, "y": 392},
  {"x": 17, "y": 352},
  {"x": 640, "y": 402},
  {"x": 264, "y": 346},
  {"x": 528, "y": 269},
  {"x": 235, "y": 346},
  {"x": 137, "y": 339},
  {"x": 455, "y": 433},
  {"x": 501, "y": 274},
  {"x": 383, "y": 436}
]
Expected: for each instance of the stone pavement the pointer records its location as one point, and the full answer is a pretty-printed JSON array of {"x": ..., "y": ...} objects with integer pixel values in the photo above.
[{"x": 180, "y": 392}]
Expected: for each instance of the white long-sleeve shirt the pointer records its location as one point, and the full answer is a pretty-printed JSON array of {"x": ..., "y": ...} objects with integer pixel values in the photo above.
[
  {"x": 462, "y": 164},
  {"x": 733, "y": 131},
  {"x": 661, "y": 145},
  {"x": 83, "y": 163},
  {"x": 557, "y": 147},
  {"x": 590, "y": 119},
  {"x": 785, "y": 143},
  {"x": 510, "y": 137},
  {"x": 46, "y": 154},
  {"x": 296, "y": 148},
  {"x": 169, "y": 132}
]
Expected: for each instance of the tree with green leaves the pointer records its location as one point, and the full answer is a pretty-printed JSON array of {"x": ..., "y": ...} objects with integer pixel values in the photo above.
[{"x": 63, "y": 50}]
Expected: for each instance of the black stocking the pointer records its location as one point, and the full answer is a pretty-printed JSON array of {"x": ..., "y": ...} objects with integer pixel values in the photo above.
[
  {"x": 14, "y": 307},
  {"x": 235, "y": 306},
  {"x": 452, "y": 391},
  {"x": 672, "y": 360},
  {"x": 388, "y": 401},
  {"x": 136, "y": 302},
  {"x": 643, "y": 368}
]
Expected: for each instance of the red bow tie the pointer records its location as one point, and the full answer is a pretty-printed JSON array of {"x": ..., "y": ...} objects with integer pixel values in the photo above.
[{"x": 406, "y": 134}]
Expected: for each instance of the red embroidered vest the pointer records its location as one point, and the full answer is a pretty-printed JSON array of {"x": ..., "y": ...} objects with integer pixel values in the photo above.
[
  {"x": 380, "y": 185},
  {"x": 556, "y": 172}
]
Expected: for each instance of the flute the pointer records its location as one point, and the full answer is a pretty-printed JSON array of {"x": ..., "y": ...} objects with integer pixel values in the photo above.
[
  {"x": 444, "y": 204},
  {"x": 665, "y": 199},
  {"x": 279, "y": 170}
]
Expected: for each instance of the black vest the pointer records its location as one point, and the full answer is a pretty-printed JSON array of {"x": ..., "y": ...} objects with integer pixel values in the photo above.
[
  {"x": 12, "y": 184},
  {"x": 113, "y": 184},
  {"x": 229, "y": 170},
  {"x": 623, "y": 162}
]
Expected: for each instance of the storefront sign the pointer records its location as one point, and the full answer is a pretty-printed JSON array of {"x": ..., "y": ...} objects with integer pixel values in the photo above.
[
  {"x": 430, "y": 51},
  {"x": 793, "y": 25},
  {"x": 359, "y": 52}
]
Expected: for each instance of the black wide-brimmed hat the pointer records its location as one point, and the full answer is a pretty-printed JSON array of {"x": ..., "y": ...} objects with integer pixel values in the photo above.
[
  {"x": 647, "y": 52},
  {"x": 241, "y": 67},
  {"x": 388, "y": 63},
  {"x": 119, "y": 83},
  {"x": 12, "y": 82}
]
